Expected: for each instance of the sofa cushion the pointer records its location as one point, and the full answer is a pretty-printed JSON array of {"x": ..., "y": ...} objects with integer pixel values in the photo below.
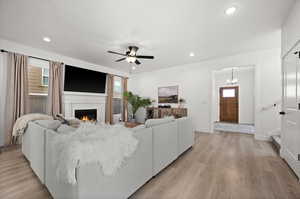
[
  {"x": 155, "y": 122},
  {"x": 49, "y": 124},
  {"x": 65, "y": 129}
]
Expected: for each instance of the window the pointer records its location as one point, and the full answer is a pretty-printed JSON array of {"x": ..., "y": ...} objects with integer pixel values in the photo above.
[
  {"x": 38, "y": 77},
  {"x": 228, "y": 93},
  {"x": 117, "y": 106},
  {"x": 118, "y": 87},
  {"x": 45, "y": 76},
  {"x": 117, "y": 99}
]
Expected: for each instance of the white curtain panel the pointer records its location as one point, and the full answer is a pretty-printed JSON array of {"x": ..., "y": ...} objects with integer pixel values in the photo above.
[{"x": 3, "y": 82}]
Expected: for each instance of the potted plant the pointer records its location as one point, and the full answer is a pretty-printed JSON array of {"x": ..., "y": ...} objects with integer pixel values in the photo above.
[{"x": 136, "y": 102}]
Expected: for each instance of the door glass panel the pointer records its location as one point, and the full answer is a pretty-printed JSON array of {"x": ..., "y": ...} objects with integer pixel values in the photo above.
[
  {"x": 228, "y": 93},
  {"x": 290, "y": 81}
]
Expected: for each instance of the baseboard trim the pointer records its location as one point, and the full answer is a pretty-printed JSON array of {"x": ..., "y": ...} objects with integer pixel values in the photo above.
[
  {"x": 9, "y": 147},
  {"x": 203, "y": 132},
  {"x": 262, "y": 138},
  {"x": 290, "y": 160}
]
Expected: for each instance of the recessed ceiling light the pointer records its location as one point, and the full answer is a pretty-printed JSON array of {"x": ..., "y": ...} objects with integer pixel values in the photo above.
[
  {"x": 192, "y": 54},
  {"x": 133, "y": 67},
  {"x": 46, "y": 39},
  {"x": 230, "y": 11}
]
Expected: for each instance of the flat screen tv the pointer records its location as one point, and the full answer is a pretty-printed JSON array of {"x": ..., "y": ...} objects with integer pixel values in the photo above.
[
  {"x": 168, "y": 94},
  {"x": 84, "y": 80}
]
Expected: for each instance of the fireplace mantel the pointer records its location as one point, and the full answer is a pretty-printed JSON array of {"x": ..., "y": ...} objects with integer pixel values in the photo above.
[
  {"x": 66, "y": 93},
  {"x": 80, "y": 101}
]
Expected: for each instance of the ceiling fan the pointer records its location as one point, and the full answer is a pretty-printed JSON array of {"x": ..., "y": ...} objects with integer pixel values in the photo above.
[{"x": 131, "y": 56}]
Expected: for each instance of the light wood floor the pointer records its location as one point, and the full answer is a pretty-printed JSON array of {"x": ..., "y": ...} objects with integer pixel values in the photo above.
[
  {"x": 221, "y": 166},
  {"x": 17, "y": 179}
]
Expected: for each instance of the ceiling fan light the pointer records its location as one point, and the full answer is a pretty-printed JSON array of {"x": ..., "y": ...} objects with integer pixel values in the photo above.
[{"x": 130, "y": 59}]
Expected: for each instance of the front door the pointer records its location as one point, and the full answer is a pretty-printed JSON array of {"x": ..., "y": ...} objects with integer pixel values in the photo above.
[
  {"x": 290, "y": 148},
  {"x": 229, "y": 104}
]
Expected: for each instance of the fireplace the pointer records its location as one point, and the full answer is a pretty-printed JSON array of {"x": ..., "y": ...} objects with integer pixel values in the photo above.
[
  {"x": 86, "y": 114},
  {"x": 84, "y": 101}
]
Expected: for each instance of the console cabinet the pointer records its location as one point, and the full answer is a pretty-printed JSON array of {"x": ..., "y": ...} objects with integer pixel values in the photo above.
[{"x": 154, "y": 113}]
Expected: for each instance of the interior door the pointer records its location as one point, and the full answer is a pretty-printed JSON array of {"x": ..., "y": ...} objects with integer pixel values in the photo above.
[
  {"x": 290, "y": 149},
  {"x": 229, "y": 104}
]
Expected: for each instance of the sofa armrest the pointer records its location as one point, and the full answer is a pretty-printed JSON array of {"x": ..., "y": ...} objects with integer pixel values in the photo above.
[
  {"x": 33, "y": 148},
  {"x": 185, "y": 134},
  {"x": 165, "y": 145}
]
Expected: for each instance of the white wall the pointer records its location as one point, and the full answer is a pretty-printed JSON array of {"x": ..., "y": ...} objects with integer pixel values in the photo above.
[
  {"x": 27, "y": 50},
  {"x": 245, "y": 77},
  {"x": 291, "y": 28},
  {"x": 195, "y": 85}
]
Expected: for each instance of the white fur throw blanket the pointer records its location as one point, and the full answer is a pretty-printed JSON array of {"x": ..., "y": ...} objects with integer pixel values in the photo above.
[
  {"x": 106, "y": 145},
  {"x": 21, "y": 123}
]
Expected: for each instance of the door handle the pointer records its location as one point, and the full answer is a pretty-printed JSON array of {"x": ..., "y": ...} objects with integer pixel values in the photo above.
[{"x": 282, "y": 113}]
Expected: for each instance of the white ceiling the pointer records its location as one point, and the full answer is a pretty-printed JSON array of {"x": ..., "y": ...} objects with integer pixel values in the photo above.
[{"x": 167, "y": 29}]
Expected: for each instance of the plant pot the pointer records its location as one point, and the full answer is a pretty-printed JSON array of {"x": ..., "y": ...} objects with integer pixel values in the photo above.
[{"x": 132, "y": 120}]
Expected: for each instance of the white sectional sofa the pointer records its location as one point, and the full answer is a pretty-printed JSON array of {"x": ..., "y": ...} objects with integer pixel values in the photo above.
[
  {"x": 33, "y": 148},
  {"x": 91, "y": 183},
  {"x": 185, "y": 134},
  {"x": 160, "y": 144},
  {"x": 165, "y": 145}
]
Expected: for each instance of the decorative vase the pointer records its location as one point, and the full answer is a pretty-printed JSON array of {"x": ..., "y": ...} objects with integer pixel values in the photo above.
[{"x": 132, "y": 119}]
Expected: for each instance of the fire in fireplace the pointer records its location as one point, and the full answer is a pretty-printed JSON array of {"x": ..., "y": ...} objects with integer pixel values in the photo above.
[{"x": 86, "y": 114}]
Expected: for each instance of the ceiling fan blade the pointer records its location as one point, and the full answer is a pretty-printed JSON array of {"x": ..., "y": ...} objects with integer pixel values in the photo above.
[
  {"x": 137, "y": 62},
  {"x": 116, "y": 53},
  {"x": 145, "y": 57},
  {"x": 120, "y": 59}
]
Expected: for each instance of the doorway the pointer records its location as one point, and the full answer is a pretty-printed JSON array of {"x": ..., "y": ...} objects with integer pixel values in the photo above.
[
  {"x": 233, "y": 100},
  {"x": 229, "y": 104}
]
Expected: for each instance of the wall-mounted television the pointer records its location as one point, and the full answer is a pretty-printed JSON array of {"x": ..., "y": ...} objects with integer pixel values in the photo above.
[
  {"x": 84, "y": 80},
  {"x": 168, "y": 95}
]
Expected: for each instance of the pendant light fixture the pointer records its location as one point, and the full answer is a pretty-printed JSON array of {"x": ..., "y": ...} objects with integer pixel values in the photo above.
[{"x": 233, "y": 80}]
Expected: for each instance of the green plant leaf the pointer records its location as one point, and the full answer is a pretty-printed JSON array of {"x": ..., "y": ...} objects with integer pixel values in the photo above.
[{"x": 136, "y": 101}]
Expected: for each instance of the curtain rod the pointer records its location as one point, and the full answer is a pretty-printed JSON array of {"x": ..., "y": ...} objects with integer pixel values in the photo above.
[
  {"x": 50, "y": 60},
  {"x": 5, "y": 51}
]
